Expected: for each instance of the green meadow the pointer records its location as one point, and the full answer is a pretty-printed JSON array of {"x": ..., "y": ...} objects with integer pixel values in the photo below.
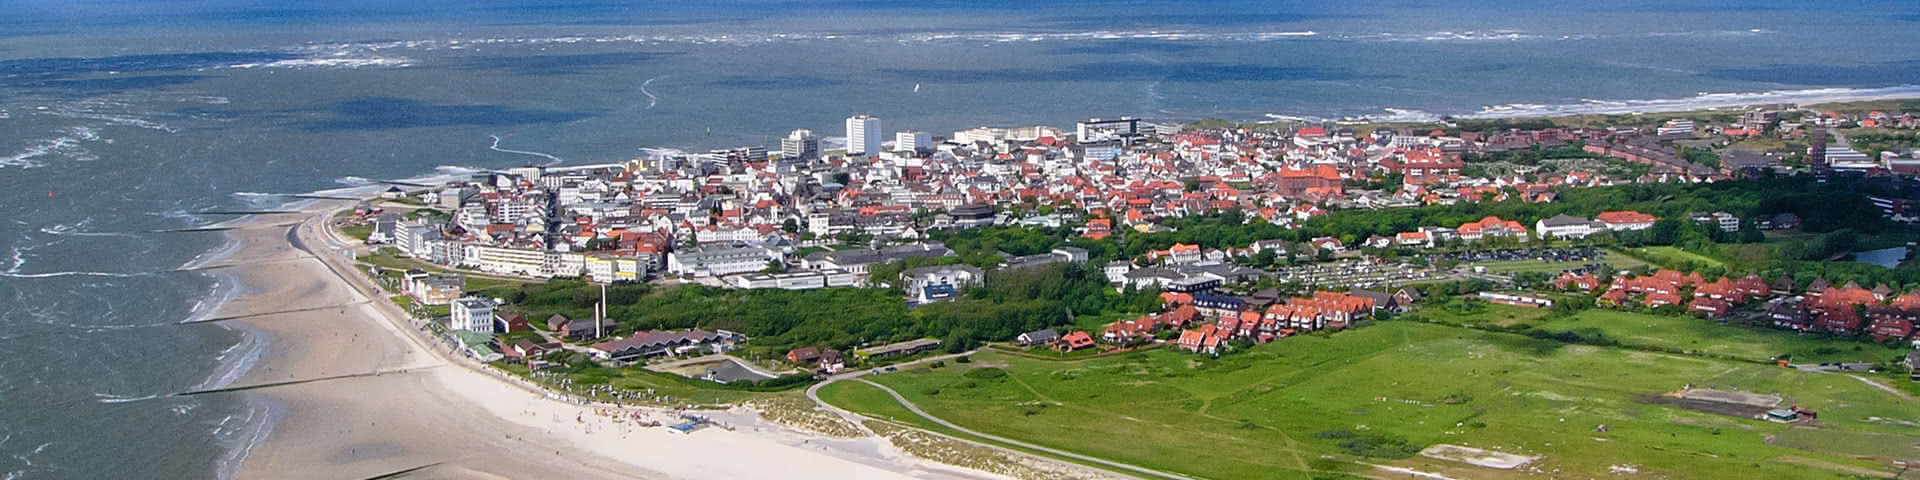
[
  {"x": 1688, "y": 334},
  {"x": 1321, "y": 405}
]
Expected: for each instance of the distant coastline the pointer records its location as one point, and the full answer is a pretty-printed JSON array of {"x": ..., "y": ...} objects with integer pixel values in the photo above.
[{"x": 1699, "y": 103}]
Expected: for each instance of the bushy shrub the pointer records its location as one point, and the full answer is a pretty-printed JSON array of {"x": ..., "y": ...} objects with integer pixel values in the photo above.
[{"x": 988, "y": 373}]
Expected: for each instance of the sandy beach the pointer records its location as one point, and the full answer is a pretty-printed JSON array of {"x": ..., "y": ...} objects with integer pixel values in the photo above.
[{"x": 356, "y": 393}]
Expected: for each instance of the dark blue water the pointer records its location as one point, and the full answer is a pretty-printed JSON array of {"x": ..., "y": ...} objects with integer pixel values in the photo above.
[{"x": 120, "y": 117}]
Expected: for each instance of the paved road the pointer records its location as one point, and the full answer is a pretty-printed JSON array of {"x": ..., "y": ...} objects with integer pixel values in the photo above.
[
  {"x": 813, "y": 392},
  {"x": 711, "y": 358}
]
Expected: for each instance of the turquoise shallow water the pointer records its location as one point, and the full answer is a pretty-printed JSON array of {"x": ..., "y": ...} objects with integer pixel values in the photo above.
[{"x": 123, "y": 117}]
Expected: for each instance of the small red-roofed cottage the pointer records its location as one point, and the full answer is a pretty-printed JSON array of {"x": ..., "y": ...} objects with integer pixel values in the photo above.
[
  {"x": 1074, "y": 341},
  {"x": 1584, "y": 282},
  {"x": 1712, "y": 307}
]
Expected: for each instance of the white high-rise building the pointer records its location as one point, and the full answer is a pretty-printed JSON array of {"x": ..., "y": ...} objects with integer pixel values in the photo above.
[
  {"x": 912, "y": 141},
  {"x": 864, "y": 135}
]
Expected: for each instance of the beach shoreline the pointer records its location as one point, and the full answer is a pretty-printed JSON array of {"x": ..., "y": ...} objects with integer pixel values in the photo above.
[{"x": 356, "y": 390}]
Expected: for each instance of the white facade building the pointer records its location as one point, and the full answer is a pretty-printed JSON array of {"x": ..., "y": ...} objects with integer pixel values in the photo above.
[
  {"x": 912, "y": 141},
  {"x": 472, "y": 314},
  {"x": 801, "y": 144},
  {"x": 1568, "y": 226},
  {"x": 864, "y": 135},
  {"x": 711, "y": 261},
  {"x": 509, "y": 261},
  {"x": 614, "y": 268}
]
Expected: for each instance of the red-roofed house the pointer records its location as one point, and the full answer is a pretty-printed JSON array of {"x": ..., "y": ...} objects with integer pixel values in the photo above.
[
  {"x": 1624, "y": 220},
  {"x": 1074, "y": 341},
  {"x": 1492, "y": 227}
]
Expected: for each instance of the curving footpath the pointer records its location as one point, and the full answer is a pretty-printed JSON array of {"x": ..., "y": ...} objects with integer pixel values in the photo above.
[{"x": 813, "y": 393}]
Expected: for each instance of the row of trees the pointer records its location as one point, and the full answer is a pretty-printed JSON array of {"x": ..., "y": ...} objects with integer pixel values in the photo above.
[
  {"x": 1533, "y": 155},
  {"x": 1012, "y": 302},
  {"x": 1823, "y": 207}
]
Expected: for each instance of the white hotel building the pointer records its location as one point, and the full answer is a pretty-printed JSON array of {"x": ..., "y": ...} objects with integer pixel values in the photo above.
[{"x": 864, "y": 135}]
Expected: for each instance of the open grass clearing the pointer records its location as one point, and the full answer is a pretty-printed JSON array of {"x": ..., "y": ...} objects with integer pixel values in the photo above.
[
  {"x": 1279, "y": 410},
  {"x": 647, "y": 387},
  {"x": 1667, "y": 256},
  {"x": 1686, "y": 333},
  {"x": 1484, "y": 314}
]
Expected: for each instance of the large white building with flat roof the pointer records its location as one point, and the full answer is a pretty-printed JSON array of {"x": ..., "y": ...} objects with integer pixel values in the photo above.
[
  {"x": 864, "y": 135},
  {"x": 912, "y": 141},
  {"x": 717, "y": 261},
  {"x": 799, "y": 145}
]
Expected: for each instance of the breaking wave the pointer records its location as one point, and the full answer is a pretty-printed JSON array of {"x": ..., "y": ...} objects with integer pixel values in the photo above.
[
  {"x": 551, "y": 160},
  {"x": 1702, "y": 101},
  {"x": 651, "y": 99},
  {"x": 343, "y": 53},
  {"x": 329, "y": 62},
  {"x": 111, "y": 398},
  {"x": 70, "y": 145}
]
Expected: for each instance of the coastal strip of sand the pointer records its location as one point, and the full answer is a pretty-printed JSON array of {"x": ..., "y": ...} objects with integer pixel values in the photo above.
[{"x": 358, "y": 391}]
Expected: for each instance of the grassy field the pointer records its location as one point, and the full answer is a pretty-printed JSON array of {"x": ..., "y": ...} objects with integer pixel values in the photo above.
[
  {"x": 1899, "y": 104},
  {"x": 1486, "y": 314},
  {"x": 866, "y": 399},
  {"x": 1709, "y": 337},
  {"x": 360, "y": 232},
  {"x": 1335, "y": 403},
  {"x": 480, "y": 284},
  {"x": 1095, "y": 324},
  {"x": 666, "y": 389},
  {"x": 1673, "y": 257},
  {"x": 1759, "y": 144}
]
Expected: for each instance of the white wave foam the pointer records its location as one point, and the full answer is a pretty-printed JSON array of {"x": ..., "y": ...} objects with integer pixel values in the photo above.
[
  {"x": 64, "y": 230},
  {"x": 262, "y": 414},
  {"x": 456, "y": 170},
  {"x": 651, "y": 99},
  {"x": 1701, "y": 101},
  {"x": 552, "y": 160},
  {"x": 112, "y": 112},
  {"x": 329, "y": 62},
  {"x": 263, "y": 201},
  {"x": 656, "y": 154},
  {"x": 370, "y": 50},
  {"x": 18, "y": 257},
  {"x": 1398, "y": 115},
  {"x": 252, "y": 346},
  {"x": 70, "y": 145},
  {"x": 229, "y": 246},
  {"x": 78, "y": 229},
  {"x": 70, "y": 274},
  {"x": 1281, "y": 117},
  {"x": 111, "y": 398}
]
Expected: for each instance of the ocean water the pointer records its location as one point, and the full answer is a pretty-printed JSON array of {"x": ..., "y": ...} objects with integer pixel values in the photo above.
[{"x": 122, "y": 117}]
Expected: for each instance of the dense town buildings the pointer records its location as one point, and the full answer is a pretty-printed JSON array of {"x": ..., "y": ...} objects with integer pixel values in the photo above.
[{"x": 796, "y": 217}]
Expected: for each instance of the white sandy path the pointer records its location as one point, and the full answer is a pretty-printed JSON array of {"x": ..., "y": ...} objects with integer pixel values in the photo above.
[{"x": 706, "y": 453}]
